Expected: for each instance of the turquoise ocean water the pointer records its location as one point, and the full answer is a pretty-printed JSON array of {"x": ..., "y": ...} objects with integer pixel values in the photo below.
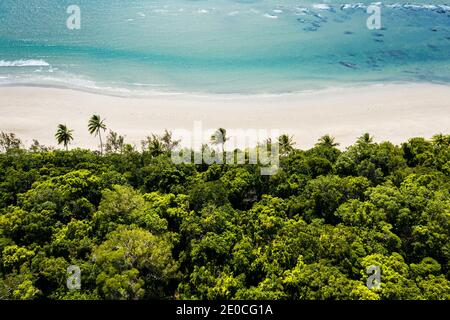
[{"x": 137, "y": 47}]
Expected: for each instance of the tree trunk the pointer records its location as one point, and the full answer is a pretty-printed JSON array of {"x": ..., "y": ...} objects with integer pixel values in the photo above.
[
  {"x": 101, "y": 144},
  {"x": 223, "y": 152}
]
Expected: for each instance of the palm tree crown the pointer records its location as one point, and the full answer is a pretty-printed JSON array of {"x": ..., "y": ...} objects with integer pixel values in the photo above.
[
  {"x": 220, "y": 137},
  {"x": 286, "y": 144},
  {"x": 366, "y": 138},
  {"x": 441, "y": 140},
  {"x": 64, "y": 135},
  {"x": 327, "y": 141},
  {"x": 95, "y": 125}
]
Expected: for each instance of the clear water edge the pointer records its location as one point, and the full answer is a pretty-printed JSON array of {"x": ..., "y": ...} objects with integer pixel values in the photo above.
[{"x": 137, "y": 48}]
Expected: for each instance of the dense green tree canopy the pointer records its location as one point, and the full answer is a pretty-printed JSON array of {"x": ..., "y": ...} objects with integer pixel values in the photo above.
[{"x": 139, "y": 226}]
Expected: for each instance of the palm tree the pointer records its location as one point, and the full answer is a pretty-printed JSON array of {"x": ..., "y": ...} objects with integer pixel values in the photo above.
[
  {"x": 327, "y": 141},
  {"x": 220, "y": 137},
  {"x": 64, "y": 135},
  {"x": 365, "y": 139},
  {"x": 441, "y": 140},
  {"x": 286, "y": 144},
  {"x": 95, "y": 125}
]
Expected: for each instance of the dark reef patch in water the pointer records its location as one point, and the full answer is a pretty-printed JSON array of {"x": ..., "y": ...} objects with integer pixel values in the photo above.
[
  {"x": 310, "y": 29},
  {"x": 347, "y": 64}
]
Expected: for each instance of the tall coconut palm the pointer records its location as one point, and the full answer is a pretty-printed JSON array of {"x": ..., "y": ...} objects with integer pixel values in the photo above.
[
  {"x": 286, "y": 144},
  {"x": 366, "y": 138},
  {"x": 220, "y": 137},
  {"x": 64, "y": 135},
  {"x": 96, "y": 124},
  {"x": 327, "y": 141}
]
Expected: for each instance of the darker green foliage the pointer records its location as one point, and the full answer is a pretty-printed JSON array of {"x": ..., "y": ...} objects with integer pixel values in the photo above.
[{"x": 141, "y": 227}]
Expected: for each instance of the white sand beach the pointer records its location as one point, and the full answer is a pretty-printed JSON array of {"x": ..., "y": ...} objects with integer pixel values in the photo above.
[{"x": 393, "y": 112}]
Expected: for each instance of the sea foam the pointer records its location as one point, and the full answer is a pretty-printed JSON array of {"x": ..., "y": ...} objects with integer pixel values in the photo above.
[
  {"x": 321, "y": 6},
  {"x": 24, "y": 63}
]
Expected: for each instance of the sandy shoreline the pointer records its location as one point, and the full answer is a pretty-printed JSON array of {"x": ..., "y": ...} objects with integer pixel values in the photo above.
[{"x": 391, "y": 112}]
